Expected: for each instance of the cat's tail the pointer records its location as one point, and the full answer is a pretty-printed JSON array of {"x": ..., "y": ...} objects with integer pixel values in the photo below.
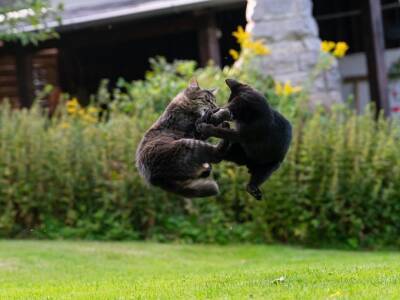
[{"x": 197, "y": 188}]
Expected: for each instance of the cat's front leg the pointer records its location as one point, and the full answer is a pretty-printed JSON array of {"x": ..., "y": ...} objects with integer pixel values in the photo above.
[
  {"x": 209, "y": 130},
  {"x": 223, "y": 114},
  {"x": 199, "y": 151},
  {"x": 205, "y": 118}
]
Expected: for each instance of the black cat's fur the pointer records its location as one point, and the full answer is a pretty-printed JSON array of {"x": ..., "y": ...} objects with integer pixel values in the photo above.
[
  {"x": 171, "y": 157},
  {"x": 261, "y": 138}
]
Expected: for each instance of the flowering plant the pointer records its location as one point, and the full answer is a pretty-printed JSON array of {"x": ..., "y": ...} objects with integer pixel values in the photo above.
[
  {"x": 247, "y": 45},
  {"x": 338, "y": 49},
  {"x": 86, "y": 115}
]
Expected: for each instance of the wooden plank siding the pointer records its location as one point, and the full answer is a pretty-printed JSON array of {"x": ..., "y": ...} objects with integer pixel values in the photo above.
[
  {"x": 24, "y": 75},
  {"x": 45, "y": 68},
  {"x": 8, "y": 79}
]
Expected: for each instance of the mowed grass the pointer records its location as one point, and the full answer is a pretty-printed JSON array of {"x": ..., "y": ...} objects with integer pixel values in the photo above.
[{"x": 103, "y": 270}]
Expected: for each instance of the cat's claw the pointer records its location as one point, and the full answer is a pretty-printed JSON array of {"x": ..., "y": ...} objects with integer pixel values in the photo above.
[{"x": 254, "y": 191}]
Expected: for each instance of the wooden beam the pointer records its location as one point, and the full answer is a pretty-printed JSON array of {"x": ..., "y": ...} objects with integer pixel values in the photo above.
[
  {"x": 114, "y": 33},
  {"x": 25, "y": 78},
  {"x": 375, "y": 46},
  {"x": 208, "y": 40}
]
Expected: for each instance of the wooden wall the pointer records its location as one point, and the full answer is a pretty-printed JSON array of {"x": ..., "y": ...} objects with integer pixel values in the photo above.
[
  {"x": 24, "y": 75},
  {"x": 8, "y": 79},
  {"x": 45, "y": 68}
]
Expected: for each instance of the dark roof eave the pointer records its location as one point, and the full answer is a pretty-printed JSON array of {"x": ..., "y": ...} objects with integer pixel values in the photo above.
[{"x": 141, "y": 11}]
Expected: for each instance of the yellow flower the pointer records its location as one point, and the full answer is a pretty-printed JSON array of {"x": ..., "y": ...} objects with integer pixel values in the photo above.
[
  {"x": 256, "y": 47},
  {"x": 241, "y": 35},
  {"x": 259, "y": 48},
  {"x": 72, "y": 110},
  {"x": 73, "y": 106},
  {"x": 73, "y": 103},
  {"x": 64, "y": 125},
  {"x": 341, "y": 49},
  {"x": 327, "y": 46},
  {"x": 338, "y": 49},
  {"x": 92, "y": 110},
  {"x": 234, "y": 54},
  {"x": 278, "y": 88},
  {"x": 289, "y": 89},
  {"x": 286, "y": 89}
]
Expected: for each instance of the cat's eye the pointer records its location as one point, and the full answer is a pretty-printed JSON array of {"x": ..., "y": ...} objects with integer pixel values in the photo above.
[
  {"x": 213, "y": 91},
  {"x": 209, "y": 98}
]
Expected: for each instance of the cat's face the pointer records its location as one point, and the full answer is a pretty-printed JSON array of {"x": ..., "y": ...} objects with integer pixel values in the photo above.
[
  {"x": 246, "y": 103},
  {"x": 236, "y": 88},
  {"x": 201, "y": 99},
  {"x": 243, "y": 92}
]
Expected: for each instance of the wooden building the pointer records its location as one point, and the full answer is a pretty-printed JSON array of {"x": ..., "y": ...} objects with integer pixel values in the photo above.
[
  {"x": 372, "y": 30},
  {"x": 110, "y": 39}
]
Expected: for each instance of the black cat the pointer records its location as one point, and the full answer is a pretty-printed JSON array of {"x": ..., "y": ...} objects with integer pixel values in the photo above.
[{"x": 261, "y": 138}]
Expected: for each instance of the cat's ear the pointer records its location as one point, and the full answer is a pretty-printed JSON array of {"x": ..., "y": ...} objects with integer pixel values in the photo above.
[
  {"x": 193, "y": 84},
  {"x": 214, "y": 91},
  {"x": 232, "y": 84}
]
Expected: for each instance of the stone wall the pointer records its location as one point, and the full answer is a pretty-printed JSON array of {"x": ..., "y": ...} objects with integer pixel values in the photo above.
[{"x": 290, "y": 31}]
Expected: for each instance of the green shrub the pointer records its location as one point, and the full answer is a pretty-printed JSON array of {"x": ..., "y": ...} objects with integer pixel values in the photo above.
[{"x": 66, "y": 178}]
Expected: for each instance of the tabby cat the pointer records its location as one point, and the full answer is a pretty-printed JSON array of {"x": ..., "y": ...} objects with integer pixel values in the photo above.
[{"x": 171, "y": 156}]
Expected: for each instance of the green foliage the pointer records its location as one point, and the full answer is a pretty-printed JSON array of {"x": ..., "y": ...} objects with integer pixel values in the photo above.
[
  {"x": 64, "y": 178},
  {"x": 165, "y": 80},
  {"x": 29, "y": 21}
]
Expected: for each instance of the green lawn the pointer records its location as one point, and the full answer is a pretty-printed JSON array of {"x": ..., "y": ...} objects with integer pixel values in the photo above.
[{"x": 96, "y": 270}]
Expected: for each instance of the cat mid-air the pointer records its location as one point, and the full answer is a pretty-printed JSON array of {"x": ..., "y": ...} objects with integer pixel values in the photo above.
[
  {"x": 261, "y": 138},
  {"x": 171, "y": 156}
]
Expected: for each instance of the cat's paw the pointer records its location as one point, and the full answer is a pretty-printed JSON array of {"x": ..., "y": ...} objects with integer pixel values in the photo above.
[
  {"x": 205, "y": 118},
  {"x": 220, "y": 116},
  {"x": 254, "y": 191},
  {"x": 203, "y": 129},
  {"x": 206, "y": 170}
]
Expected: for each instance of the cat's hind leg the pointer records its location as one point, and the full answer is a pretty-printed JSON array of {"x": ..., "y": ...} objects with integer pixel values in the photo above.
[
  {"x": 197, "y": 188},
  {"x": 200, "y": 188},
  {"x": 259, "y": 174}
]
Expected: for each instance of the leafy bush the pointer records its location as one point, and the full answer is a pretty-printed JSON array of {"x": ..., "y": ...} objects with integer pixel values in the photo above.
[
  {"x": 68, "y": 178},
  {"x": 74, "y": 177}
]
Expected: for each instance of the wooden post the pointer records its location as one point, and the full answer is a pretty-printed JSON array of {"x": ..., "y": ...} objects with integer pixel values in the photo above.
[
  {"x": 208, "y": 40},
  {"x": 375, "y": 46},
  {"x": 25, "y": 78}
]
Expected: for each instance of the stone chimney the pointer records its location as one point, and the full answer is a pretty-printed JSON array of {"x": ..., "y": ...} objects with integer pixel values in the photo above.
[{"x": 290, "y": 31}]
